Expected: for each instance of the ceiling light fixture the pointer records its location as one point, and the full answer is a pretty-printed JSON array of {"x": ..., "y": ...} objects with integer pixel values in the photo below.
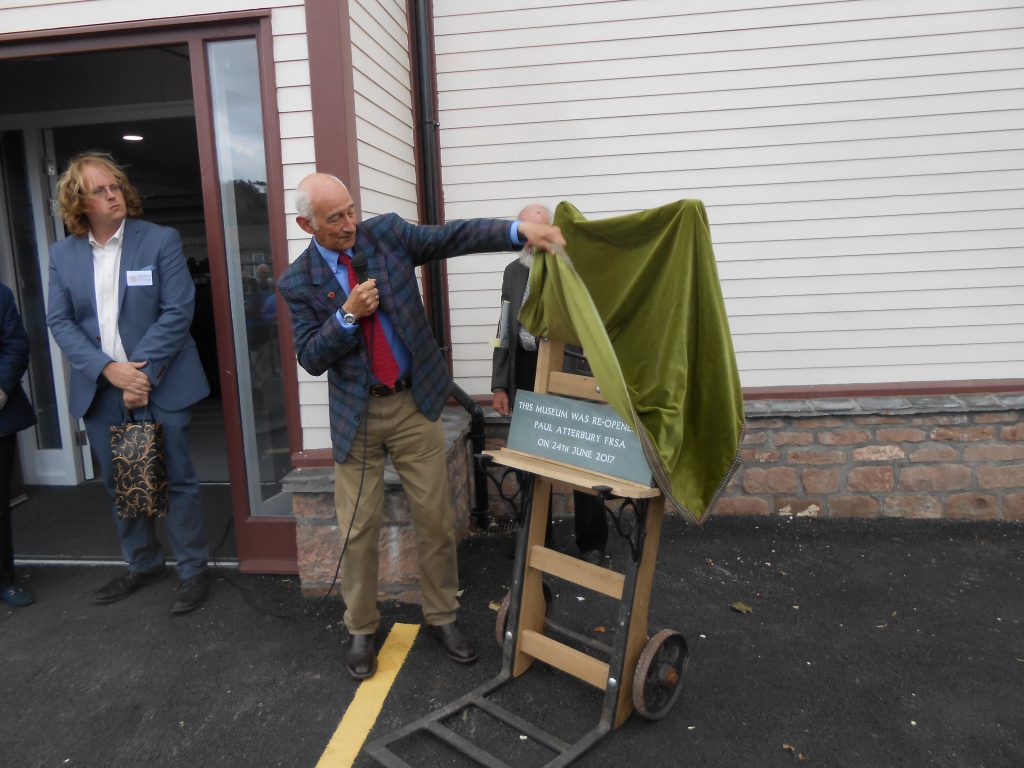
[{"x": 132, "y": 137}]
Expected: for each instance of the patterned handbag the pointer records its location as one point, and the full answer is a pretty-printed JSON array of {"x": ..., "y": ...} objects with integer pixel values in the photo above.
[{"x": 140, "y": 473}]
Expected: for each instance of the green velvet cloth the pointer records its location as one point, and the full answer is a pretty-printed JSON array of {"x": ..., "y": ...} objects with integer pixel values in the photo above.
[{"x": 640, "y": 293}]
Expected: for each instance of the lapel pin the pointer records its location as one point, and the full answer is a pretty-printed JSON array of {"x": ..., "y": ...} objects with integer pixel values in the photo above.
[{"x": 331, "y": 295}]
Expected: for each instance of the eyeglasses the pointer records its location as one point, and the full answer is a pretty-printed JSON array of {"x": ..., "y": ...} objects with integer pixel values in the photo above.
[{"x": 103, "y": 191}]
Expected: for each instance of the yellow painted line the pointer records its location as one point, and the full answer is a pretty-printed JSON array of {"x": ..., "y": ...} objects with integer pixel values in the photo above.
[{"x": 362, "y": 713}]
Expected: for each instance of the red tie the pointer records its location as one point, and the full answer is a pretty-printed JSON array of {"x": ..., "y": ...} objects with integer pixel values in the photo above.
[{"x": 382, "y": 359}]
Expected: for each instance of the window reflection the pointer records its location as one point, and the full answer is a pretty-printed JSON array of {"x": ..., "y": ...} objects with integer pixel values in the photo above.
[{"x": 238, "y": 124}]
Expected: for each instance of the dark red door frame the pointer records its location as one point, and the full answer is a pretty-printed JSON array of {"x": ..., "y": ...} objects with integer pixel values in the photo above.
[{"x": 265, "y": 544}]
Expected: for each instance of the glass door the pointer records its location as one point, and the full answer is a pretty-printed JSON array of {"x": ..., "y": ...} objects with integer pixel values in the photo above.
[
  {"x": 51, "y": 452},
  {"x": 237, "y": 119}
]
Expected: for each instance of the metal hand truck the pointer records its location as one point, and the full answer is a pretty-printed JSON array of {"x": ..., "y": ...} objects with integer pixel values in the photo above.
[{"x": 642, "y": 673}]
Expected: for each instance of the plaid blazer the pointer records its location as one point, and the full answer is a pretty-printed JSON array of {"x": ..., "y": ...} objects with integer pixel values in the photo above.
[{"x": 393, "y": 249}]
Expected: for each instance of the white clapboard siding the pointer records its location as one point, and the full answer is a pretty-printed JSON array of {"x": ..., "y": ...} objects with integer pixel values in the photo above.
[
  {"x": 916, "y": 50},
  {"x": 469, "y": 299},
  {"x": 294, "y": 104},
  {"x": 872, "y": 264},
  {"x": 811, "y": 154},
  {"x": 567, "y": 36},
  {"x": 862, "y": 164},
  {"x": 296, "y": 124},
  {"x": 848, "y": 74},
  {"x": 384, "y": 108},
  {"x": 315, "y": 416},
  {"x": 813, "y": 136},
  {"x": 291, "y": 73},
  {"x": 897, "y": 339},
  {"x": 622, "y": 19},
  {"x": 383, "y": 100},
  {"x": 713, "y": 194},
  {"x": 882, "y": 319},
  {"x": 772, "y": 168},
  {"x": 313, "y": 391},
  {"x": 853, "y": 99}
]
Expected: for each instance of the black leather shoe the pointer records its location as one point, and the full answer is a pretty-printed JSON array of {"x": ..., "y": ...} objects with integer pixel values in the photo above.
[
  {"x": 457, "y": 644},
  {"x": 123, "y": 586},
  {"x": 362, "y": 657},
  {"x": 190, "y": 593}
]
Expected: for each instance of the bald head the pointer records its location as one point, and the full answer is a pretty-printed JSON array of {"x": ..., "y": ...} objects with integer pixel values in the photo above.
[
  {"x": 536, "y": 213},
  {"x": 315, "y": 186},
  {"x": 326, "y": 211}
]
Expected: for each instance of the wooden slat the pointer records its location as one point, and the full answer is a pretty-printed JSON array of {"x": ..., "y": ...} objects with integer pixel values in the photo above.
[
  {"x": 577, "y": 571},
  {"x": 570, "y": 475},
  {"x": 532, "y": 606},
  {"x": 549, "y": 359},
  {"x": 568, "y": 660},
  {"x": 572, "y": 385}
]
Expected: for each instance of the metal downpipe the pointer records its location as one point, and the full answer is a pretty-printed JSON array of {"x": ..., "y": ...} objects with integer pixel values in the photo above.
[{"x": 429, "y": 171}]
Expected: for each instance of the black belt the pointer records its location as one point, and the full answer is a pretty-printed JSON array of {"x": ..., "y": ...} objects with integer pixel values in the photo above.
[{"x": 383, "y": 390}]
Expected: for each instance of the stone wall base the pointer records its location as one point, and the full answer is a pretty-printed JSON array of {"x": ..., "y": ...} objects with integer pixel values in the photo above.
[
  {"x": 955, "y": 457},
  {"x": 316, "y": 524},
  {"x": 920, "y": 457}
]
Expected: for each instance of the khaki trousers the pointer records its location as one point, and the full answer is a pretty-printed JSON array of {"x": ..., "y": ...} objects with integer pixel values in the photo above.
[{"x": 395, "y": 426}]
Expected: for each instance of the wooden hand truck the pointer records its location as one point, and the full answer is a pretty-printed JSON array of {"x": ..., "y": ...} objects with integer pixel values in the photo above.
[{"x": 642, "y": 673}]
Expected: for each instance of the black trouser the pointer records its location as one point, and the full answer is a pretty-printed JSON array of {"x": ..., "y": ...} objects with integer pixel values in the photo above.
[
  {"x": 526, "y": 368},
  {"x": 8, "y": 445},
  {"x": 591, "y": 522}
]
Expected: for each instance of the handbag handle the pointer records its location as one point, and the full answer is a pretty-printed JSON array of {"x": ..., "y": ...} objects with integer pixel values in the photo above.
[{"x": 128, "y": 414}]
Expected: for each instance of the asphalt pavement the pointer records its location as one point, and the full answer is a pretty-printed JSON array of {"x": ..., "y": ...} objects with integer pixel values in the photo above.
[{"x": 868, "y": 643}]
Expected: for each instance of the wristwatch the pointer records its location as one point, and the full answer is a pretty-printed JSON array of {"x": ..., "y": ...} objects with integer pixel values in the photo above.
[{"x": 349, "y": 318}]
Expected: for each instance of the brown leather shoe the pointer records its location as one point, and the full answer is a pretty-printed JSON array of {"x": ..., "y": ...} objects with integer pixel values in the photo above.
[
  {"x": 457, "y": 644},
  {"x": 362, "y": 657}
]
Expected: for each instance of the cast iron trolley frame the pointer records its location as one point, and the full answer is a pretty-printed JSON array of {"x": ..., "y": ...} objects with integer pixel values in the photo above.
[{"x": 522, "y": 620}]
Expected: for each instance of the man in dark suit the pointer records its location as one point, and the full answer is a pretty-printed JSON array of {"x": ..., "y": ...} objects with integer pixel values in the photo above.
[
  {"x": 387, "y": 385},
  {"x": 120, "y": 306},
  {"x": 16, "y": 413},
  {"x": 514, "y": 367}
]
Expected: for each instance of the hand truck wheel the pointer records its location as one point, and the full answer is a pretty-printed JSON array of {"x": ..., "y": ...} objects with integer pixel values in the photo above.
[
  {"x": 501, "y": 621},
  {"x": 657, "y": 681}
]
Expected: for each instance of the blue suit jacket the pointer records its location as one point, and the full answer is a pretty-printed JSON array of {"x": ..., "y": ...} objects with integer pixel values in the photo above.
[
  {"x": 153, "y": 320},
  {"x": 14, "y": 347},
  {"x": 393, "y": 248}
]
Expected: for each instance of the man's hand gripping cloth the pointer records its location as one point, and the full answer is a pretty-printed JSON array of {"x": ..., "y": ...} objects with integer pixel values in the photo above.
[{"x": 641, "y": 294}]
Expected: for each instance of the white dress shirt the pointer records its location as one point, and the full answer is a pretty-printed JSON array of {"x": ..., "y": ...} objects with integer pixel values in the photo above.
[{"x": 106, "y": 261}]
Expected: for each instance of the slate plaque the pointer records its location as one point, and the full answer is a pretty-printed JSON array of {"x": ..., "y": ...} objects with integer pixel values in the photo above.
[{"x": 587, "y": 435}]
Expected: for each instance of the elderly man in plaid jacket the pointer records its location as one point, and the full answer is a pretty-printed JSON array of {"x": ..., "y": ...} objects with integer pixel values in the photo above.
[{"x": 387, "y": 384}]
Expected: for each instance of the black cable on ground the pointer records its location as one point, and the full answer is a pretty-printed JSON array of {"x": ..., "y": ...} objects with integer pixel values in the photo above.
[{"x": 337, "y": 569}]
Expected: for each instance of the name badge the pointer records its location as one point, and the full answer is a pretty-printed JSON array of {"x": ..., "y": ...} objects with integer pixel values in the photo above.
[{"x": 144, "y": 277}]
